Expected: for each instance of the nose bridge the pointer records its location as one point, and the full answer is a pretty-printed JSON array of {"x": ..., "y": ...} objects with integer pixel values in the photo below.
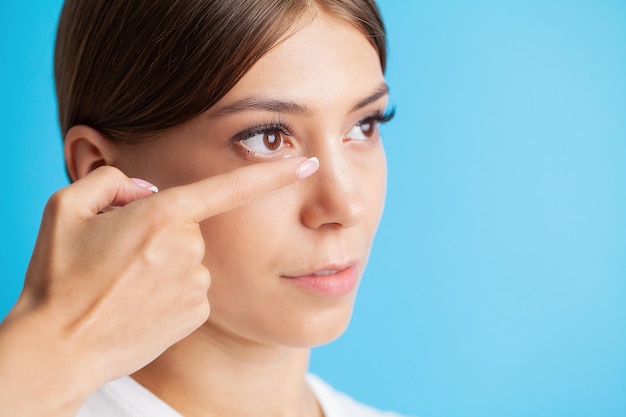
[{"x": 335, "y": 194}]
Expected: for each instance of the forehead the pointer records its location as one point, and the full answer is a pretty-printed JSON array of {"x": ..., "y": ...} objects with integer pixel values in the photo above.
[{"x": 324, "y": 61}]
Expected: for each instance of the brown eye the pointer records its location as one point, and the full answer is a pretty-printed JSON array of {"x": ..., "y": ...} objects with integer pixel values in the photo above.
[
  {"x": 364, "y": 130},
  {"x": 265, "y": 142},
  {"x": 368, "y": 128},
  {"x": 273, "y": 140}
]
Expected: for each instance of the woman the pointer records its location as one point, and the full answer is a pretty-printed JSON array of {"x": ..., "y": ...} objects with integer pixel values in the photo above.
[{"x": 258, "y": 122}]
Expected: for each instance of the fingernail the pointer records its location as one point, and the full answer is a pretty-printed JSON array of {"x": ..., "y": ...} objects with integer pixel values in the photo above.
[
  {"x": 145, "y": 184},
  {"x": 308, "y": 168}
]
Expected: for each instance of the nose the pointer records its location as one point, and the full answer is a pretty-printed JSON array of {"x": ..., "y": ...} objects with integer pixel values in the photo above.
[{"x": 334, "y": 196}]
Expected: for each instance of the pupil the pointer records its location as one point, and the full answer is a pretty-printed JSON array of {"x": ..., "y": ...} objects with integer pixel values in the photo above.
[
  {"x": 367, "y": 128},
  {"x": 272, "y": 140}
]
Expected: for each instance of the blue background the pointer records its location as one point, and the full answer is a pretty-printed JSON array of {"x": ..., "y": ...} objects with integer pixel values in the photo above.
[{"x": 497, "y": 284}]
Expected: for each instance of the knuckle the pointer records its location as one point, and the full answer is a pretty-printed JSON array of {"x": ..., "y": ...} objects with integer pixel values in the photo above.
[
  {"x": 204, "y": 279},
  {"x": 198, "y": 310},
  {"x": 202, "y": 312},
  {"x": 59, "y": 202},
  {"x": 196, "y": 247},
  {"x": 198, "y": 286}
]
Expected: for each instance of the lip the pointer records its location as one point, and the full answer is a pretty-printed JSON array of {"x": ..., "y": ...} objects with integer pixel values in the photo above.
[{"x": 329, "y": 281}]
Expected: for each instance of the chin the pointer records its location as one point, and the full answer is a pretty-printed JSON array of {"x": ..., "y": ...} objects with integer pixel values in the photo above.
[
  {"x": 318, "y": 328},
  {"x": 294, "y": 321}
]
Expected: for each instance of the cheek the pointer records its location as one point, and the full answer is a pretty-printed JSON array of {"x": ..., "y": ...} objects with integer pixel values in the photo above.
[
  {"x": 233, "y": 255},
  {"x": 245, "y": 253},
  {"x": 233, "y": 241},
  {"x": 374, "y": 184},
  {"x": 245, "y": 244}
]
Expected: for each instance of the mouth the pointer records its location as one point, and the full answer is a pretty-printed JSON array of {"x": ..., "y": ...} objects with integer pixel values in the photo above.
[
  {"x": 331, "y": 281},
  {"x": 326, "y": 272}
]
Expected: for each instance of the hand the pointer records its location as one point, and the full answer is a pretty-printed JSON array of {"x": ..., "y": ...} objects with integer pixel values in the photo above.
[{"x": 106, "y": 293}]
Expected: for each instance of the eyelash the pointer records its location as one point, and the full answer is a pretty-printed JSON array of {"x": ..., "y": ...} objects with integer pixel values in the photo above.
[
  {"x": 285, "y": 128},
  {"x": 278, "y": 126},
  {"x": 378, "y": 117}
]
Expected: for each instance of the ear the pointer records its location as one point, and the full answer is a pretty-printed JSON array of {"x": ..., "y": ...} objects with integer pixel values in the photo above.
[{"x": 85, "y": 150}]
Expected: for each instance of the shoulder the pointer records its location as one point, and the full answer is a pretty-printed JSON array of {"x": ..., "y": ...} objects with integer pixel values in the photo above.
[
  {"x": 125, "y": 397},
  {"x": 338, "y": 404}
]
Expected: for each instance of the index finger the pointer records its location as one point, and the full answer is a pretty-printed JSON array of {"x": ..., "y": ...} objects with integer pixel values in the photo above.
[{"x": 225, "y": 192}]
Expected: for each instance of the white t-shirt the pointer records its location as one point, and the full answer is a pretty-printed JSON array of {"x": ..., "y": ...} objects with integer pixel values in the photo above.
[{"x": 125, "y": 397}]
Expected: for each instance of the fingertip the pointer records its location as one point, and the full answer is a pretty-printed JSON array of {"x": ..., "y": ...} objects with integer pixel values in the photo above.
[
  {"x": 307, "y": 168},
  {"x": 145, "y": 184}
]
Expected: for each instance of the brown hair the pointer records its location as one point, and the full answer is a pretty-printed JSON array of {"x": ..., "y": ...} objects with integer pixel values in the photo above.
[{"x": 134, "y": 68}]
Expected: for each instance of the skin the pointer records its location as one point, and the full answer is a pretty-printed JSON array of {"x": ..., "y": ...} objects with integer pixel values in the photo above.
[
  {"x": 70, "y": 331},
  {"x": 245, "y": 232},
  {"x": 329, "y": 219}
]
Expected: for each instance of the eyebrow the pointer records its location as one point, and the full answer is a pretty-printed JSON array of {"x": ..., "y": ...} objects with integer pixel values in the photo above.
[
  {"x": 288, "y": 106},
  {"x": 381, "y": 91}
]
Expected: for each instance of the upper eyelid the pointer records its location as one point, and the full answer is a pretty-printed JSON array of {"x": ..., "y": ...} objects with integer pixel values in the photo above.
[
  {"x": 380, "y": 116},
  {"x": 264, "y": 128}
]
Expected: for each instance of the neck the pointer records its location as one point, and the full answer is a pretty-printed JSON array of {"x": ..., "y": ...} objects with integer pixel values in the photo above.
[{"x": 211, "y": 373}]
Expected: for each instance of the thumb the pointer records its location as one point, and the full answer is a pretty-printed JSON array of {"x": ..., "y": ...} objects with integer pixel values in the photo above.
[
  {"x": 104, "y": 187},
  {"x": 127, "y": 195}
]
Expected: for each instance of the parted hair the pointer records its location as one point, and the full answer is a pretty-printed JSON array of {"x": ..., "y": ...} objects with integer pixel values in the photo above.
[{"x": 134, "y": 68}]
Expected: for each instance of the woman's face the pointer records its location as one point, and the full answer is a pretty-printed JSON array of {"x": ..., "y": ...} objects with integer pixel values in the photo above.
[{"x": 319, "y": 93}]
